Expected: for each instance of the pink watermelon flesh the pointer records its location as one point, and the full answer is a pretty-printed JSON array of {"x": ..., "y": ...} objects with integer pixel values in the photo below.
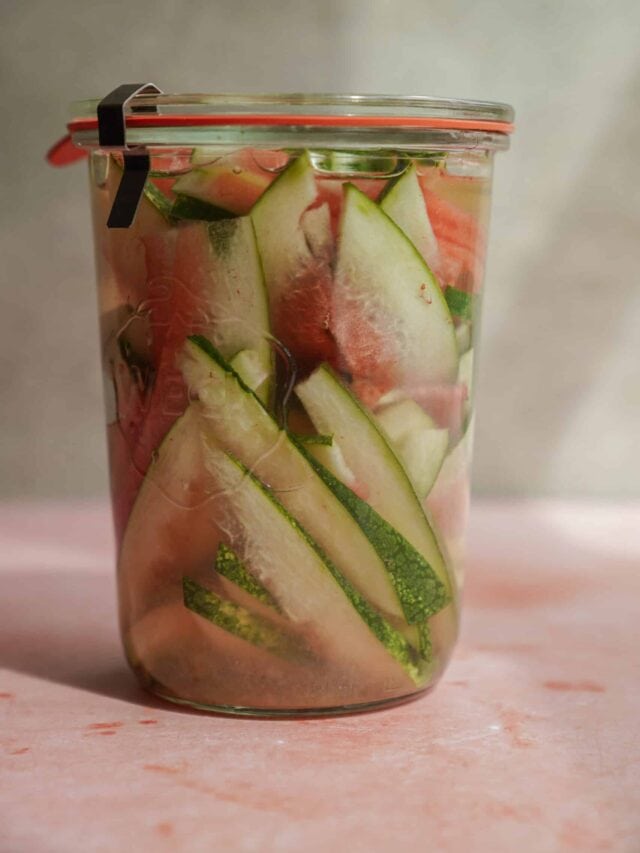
[
  {"x": 461, "y": 242},
  {"x": 302, "y": 318},
  {"x": 175, "y": 308},
  {"x": 445, "y": 404},
  {"x": 236, "y": 181}
]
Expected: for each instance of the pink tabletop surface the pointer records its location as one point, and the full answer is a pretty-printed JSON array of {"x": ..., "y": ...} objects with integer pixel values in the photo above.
[{"x": 530, "y": 743}]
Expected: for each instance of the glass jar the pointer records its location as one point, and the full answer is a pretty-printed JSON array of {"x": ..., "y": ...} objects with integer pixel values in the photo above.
[{"x": 289, "y": 327}]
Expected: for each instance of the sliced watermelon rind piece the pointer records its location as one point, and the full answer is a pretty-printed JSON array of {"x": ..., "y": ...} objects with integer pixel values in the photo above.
[
  {"x": 159, "y": 200},
  {"x": 419, "y": 589},
  {"x": 391, "y": 640},
  {"x": 402, "y": 201},
  {"x": 189, "y": 207},
  {"x": 168, "y": 532},
  {"x": 417, "y": 441},
  {"x": 276, "y": 217},
  {"x": 231, "y": 567},
  {"x": 382, "y": 281},
  {"x": 239, "y": 621},
  {"x": 236, "y": 299},
  {"x": 334, "y": 409},
  {"x": 243, "y": 426}
]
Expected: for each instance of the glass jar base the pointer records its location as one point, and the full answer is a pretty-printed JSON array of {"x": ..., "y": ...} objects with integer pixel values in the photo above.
[{"x": 286, "y": 713}]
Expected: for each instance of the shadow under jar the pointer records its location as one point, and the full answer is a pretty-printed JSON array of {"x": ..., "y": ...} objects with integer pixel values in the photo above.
[{"x": 289, "y": 332}]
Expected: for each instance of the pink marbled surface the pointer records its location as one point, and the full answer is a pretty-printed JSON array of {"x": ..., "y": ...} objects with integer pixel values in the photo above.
[{"x": 530, "y": 743}]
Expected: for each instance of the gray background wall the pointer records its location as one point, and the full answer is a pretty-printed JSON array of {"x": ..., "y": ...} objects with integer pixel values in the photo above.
[{"x": 559, "y": 406}]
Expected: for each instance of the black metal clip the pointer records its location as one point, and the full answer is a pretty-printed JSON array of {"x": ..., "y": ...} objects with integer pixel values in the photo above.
[{"x": 136, "y": 162}]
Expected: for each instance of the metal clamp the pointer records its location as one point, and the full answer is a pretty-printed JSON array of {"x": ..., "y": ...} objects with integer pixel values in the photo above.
[{"x": 112, "y": 133}]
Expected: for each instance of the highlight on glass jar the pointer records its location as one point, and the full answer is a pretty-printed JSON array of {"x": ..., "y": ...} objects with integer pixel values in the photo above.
[{"x": 289, "y": 292}]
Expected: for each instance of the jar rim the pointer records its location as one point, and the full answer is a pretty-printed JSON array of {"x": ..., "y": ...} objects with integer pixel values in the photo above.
[{"x": 165, "y": 118}]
